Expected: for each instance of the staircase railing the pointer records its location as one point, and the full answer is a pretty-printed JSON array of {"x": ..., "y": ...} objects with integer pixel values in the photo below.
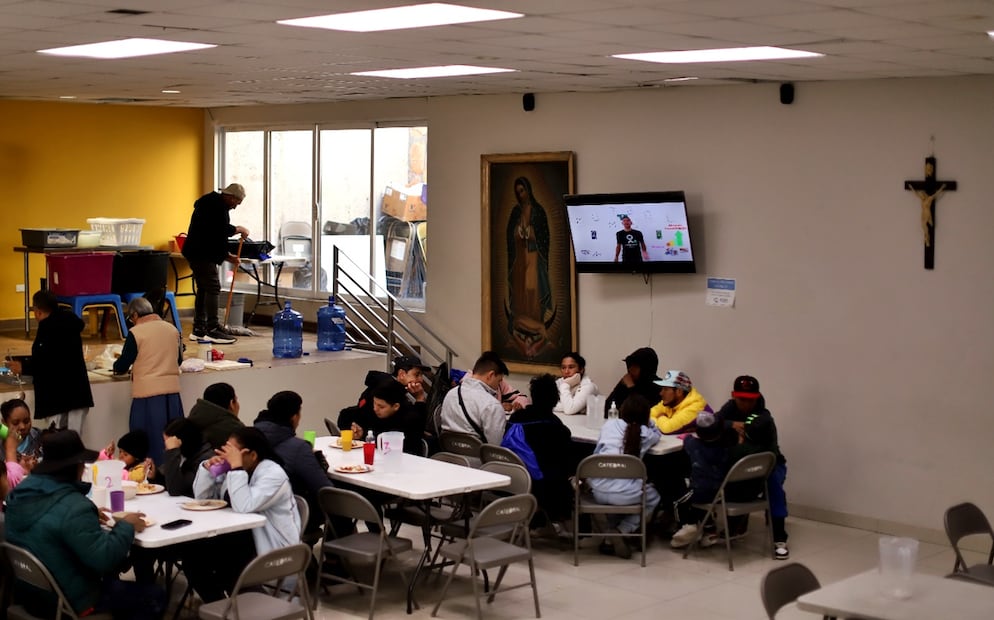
[{"x": 378, "y": 325}]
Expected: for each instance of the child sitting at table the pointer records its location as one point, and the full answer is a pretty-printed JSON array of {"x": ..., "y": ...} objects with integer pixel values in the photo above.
[
  {"x": 23, "y": 444},
  {"x": 633, "y": 434},
  {"x": 132, "y": 450},
  {"x": 186, "y": 449},
  {"x": 708, "y": 454}
]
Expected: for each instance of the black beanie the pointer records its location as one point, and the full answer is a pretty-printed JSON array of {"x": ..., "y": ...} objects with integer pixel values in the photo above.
[{"x": 135, "y": 443}]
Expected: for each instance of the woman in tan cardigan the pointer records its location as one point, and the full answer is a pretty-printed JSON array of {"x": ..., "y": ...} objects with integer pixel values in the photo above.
[{"x": 153, "y": 351}]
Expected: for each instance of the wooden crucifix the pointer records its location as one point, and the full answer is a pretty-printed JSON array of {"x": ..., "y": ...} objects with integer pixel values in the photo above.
[{"x": 928, "y": 192}]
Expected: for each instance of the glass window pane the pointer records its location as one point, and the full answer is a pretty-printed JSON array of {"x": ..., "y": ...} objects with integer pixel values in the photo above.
[
  {"x": 291, "y": 201},
  {"x": 400, "y": 178},
  {"x": 242, "y": 162}
]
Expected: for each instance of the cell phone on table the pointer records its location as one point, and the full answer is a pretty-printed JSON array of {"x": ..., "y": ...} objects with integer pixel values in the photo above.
[{"x": 175, "y": 525}]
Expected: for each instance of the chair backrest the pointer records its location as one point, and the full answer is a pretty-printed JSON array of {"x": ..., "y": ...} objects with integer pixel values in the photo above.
[
  {"x": 611, "y": 466},
  {"x": 516, "y": 510},
  {"x": 295, "y": 239},
  {"x": 966, "y": 519},
  {"x": 332, "y": 428},
  {"x": 449, "y": 457},
  {"x": 460, "y": 443},
  {"x": 349, "y": 504},
  {"x": 490, "y": 453},
  {"x": 29, "y": 569},
  {"x": 521, "y": 480},
  {"x": 752, "y": 467},
  {"x": 784, "y": 585},
  {"x": 304, "y": 511}
]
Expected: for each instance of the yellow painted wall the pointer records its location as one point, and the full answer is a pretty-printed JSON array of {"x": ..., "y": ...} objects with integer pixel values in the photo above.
[{"x": 61, "y": 163}]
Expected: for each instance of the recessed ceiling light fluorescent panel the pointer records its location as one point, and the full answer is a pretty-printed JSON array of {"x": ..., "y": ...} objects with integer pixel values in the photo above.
[
  {"x": 730, "y": 54},
  {"x": 125, "y": 48},
  {"x": 430, "y": 72},
  {"x": 401, "y": 17}
]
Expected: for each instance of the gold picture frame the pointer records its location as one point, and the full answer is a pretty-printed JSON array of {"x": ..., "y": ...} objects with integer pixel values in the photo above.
[{"x": 529, "y": 278}]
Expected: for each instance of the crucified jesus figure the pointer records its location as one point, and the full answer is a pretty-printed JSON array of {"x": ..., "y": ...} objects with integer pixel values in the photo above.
[{"x": 927, "y": 200}]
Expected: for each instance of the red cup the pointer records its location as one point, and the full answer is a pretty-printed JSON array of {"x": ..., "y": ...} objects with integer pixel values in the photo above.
[{"x": 368, "y": 450}]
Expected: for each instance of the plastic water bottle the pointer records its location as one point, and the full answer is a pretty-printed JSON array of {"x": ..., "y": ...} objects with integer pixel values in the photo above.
[
  {"x": 331, "y": 327},
  {"x": 612, "y": 413},
  {"x": 288, "y": 333}
]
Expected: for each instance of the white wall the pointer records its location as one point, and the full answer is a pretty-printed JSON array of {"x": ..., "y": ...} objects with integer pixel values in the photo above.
[{"x": 875, "y": 369}]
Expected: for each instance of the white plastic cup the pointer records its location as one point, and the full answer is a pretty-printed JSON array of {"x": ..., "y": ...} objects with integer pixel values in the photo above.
[
  {"x": 897, "y": 564},
  {"x": 99, "y": 496}
]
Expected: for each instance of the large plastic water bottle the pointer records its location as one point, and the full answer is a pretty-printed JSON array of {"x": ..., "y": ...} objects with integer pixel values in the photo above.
[
  {"x": 288, "y": 333},
  {"x": 331, "y": 326}
]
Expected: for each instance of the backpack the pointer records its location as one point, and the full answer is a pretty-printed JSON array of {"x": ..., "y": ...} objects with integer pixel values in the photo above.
[{"x": 514, "y": 440}]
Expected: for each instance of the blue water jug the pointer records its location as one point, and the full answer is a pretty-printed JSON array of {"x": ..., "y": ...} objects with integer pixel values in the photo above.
[
  {"x": 288, "y": 333},
  {"x": 331, "y": 327}
]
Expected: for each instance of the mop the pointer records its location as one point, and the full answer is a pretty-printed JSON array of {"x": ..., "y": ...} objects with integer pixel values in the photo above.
[{"x": 228, "y": 329}]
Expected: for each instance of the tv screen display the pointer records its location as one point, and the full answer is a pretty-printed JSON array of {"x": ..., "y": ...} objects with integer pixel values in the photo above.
[{"x": 643, "y": 232}]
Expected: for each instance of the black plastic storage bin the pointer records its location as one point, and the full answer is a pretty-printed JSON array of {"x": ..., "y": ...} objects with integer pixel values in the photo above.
[{"x": 139, "y": 272}]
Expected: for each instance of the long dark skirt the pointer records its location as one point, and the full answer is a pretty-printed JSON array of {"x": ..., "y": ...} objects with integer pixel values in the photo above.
[{"x": 152, "y": 414}]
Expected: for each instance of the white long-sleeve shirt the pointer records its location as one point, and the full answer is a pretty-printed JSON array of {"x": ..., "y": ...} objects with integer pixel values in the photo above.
[{"x": 573, "y": 399}]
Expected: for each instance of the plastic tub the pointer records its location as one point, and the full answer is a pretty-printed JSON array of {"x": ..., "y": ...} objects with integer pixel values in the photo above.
[
  {"x": 88, "y": 239},
  {"x": 49, "y": 237},
  {"x": 139, "y": 272},
  {"x": 80, "y": 273}
]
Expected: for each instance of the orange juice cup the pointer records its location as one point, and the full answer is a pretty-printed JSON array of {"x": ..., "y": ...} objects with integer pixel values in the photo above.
[{"x": 346, "y": 440}]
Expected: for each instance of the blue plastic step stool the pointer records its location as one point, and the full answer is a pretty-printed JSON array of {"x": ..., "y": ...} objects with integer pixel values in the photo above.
[
  {"x": 170, "y": 298},
  {"x": 80, "y": 302}
]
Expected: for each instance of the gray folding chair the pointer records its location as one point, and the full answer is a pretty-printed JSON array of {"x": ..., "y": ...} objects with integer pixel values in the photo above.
[
  {"x": 332, "y": 428},
  {"x": 967, "y": 519},
  {"x": 305, "y": 513},
  {"x": 608, "y": 466},
  {"x": 450, "y": 457},
  {"x": 783, "y": 585},
  {"x": 275, "y": 566},
  {"x": 365, "y": 548},
  {"x": 490, "y": 453},
  {"x": 755, "y": 467},
  {"x": 29, "y": 569},
  {"x": 461, "y": 443},
  {"x": 481, "y": 552}
]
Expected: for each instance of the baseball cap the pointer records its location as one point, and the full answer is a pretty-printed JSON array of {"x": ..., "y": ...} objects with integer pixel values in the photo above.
[
  {"x": 676, "y": 379},
  {"x": 745, "y": 387},
  {"x": 407, "y": 362},
  {"x": 236, "y": 190}
]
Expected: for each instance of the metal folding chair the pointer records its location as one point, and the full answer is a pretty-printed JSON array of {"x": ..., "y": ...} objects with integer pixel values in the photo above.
[
  {"x": 275, "y": 566},
  {"x": 29, "y": 569},
  {"x": 967, "y": 519},
  {"x": 608, "y": 466},
  {"x": 784, "y": 584}
]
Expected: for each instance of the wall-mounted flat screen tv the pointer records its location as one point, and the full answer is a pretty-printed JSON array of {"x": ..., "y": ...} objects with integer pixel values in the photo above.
[{"x": 644, "y": 232}]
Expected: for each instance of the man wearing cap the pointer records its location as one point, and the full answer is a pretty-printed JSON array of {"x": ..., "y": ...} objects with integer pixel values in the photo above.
[
  {"x": 205, "y": 248},
  {"x": 641, "y": 366},
  {"x": 408, "y": 371},
  {"x": 679, "y": 403},
  {"x": 49, "y": 515},
  {"x": 746, "y": 412}
]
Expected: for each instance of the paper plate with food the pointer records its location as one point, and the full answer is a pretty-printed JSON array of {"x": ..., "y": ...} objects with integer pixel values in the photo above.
[
  {"x": 337, "y": 443},
  {"x": 204, "y": 504},
  {"x": 353, "y": 469},
  {"x": 149, "y": 488}
]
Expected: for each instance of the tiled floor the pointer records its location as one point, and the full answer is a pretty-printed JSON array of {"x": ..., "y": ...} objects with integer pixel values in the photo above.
[{"x": 609, "y": 587}]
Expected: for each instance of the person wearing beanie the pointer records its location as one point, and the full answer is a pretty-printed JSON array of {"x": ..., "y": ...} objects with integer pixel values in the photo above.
[
  {"x": 153, "y": 351},
  {"x": 708, "y": 454},
  {"x": 640, "y": 373},
  {"x": 216, "y": 414},
  {"x": 132, "y": 450},
  {"x": 205, "y": 248},
  {"x": 278, "y": 422},
  {"x": 746, "y": 413}
]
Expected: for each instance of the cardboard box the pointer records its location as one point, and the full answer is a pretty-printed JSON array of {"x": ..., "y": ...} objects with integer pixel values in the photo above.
[{"x": 403, "y": 206}]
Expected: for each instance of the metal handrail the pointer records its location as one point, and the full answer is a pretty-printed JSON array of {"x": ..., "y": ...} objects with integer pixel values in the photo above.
[{"x": 380, "y": 331}]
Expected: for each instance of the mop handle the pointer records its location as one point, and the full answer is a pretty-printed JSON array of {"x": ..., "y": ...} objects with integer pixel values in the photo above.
[{"x": 231, "y": 290}]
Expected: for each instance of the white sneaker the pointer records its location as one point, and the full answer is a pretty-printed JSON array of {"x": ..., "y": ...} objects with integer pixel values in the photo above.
[
  {"x": 710, "y": 540},
  {"x": 684, "y": 536},
  {"x": 780, "y": 551}
]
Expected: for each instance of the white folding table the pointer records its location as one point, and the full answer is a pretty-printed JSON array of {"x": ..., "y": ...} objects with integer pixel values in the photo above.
[
  {"x": 577, "y": 425},
  {"x": 931, "y": 597},
  {"x": 414, "y": 478},
  {"x": 163, "y": 508}
]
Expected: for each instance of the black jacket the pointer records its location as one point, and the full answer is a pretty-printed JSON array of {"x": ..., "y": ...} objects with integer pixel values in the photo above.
[
  {"x": 648, "y": 363},
  {"x": 178, "y": 474},
  {"x": 210, "y": 227},
  {"x": 549, "y": 438},
  {"x": 214, "y": 422},
  {"x": 57, "y": 365},
  {"x": 409, "y": 419}
]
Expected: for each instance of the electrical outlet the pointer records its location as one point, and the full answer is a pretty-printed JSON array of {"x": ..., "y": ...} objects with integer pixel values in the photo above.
[{"x": 18, "y": 288}]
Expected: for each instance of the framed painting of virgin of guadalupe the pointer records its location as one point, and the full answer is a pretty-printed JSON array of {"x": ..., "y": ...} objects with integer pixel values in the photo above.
[{"x": 529, "y": 280}]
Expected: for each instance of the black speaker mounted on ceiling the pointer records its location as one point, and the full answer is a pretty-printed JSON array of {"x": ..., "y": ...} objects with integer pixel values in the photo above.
[
  {"x": 528, "y": 102},
  {"x": 786, "y": 93}
]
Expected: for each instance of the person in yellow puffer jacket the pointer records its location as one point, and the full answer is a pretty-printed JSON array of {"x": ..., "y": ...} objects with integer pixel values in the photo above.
[{"x": 680, "y": 402}]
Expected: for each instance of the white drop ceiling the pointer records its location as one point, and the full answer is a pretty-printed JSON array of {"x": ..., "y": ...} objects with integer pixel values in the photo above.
[{"x": 560, "y": 46}]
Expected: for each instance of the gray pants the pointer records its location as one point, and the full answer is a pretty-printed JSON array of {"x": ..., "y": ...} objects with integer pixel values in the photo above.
[
  {"x": 208, "y": 295},
  {"x": 72, "y": 419}
]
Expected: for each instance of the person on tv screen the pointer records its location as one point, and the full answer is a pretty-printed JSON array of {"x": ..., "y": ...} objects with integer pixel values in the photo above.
[{"x": 631, "y": 244}]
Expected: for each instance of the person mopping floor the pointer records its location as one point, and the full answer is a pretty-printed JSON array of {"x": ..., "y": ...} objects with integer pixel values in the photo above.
[{"x": 235, "y": 330}]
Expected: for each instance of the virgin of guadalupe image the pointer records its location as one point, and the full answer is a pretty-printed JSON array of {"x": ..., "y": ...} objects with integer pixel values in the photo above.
[{"x": 529, "y": 307}]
